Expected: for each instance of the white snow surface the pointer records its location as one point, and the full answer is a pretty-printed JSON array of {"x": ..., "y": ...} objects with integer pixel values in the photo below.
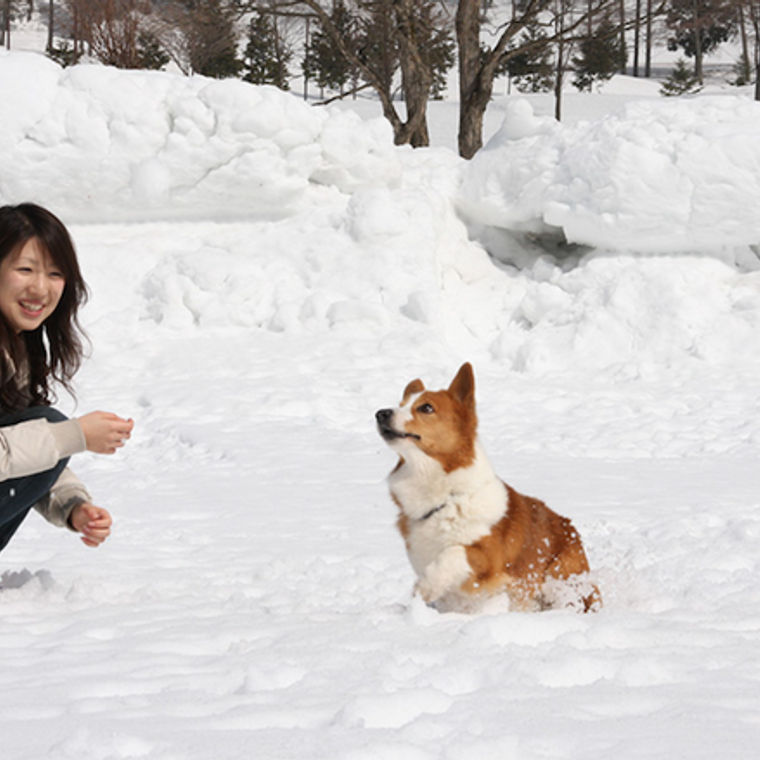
[
  {"x": 668, "y": 175},
  {"x": 264, "y": 276}
]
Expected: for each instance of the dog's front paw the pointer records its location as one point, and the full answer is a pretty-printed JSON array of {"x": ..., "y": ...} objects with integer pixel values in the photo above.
[
  {"x": 445, "y": 573},
  {"x": 424, "y": 588}
]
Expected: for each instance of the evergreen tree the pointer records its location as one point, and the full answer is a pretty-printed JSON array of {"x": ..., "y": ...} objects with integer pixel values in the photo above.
[
  {"x": 438, "y": 51},
  {"x": 266, "y": 55},
  {"x": 699, "y": 27},
  {"x": 323, "y": 60},
  {"x": 150, "y": 53},
  {"x": 529, "y": 63},
  {"x": 378, "y": 43},
  {"x": 682, "y": 81},
  {"x": 212, "y": 38},
  {"x": 64, "y": 53},
  {"x": 742, "y": 70},
  {"x": 601, "y": 56}
]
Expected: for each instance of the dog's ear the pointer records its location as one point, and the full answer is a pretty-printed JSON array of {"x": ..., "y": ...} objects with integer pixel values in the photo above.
[
  {"x": 462, "y": 386},
  {"x": 416, "y": 386}
]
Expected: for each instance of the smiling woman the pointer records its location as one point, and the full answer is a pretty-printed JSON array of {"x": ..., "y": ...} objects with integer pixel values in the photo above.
[
  {"x": 41, "y": 290},
  {"x": 31, "y": 285}
]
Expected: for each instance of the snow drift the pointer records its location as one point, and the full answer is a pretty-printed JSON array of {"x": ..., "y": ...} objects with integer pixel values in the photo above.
[
  {"x": 663, "y": 176},
  {"x": 284, "y": 272},
  {"x": 375, "y": 235},
  {"x": 133, "y": 145}
]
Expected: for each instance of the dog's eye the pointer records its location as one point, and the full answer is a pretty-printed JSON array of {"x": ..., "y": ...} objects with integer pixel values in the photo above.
[{"x": 425, "y": 409}]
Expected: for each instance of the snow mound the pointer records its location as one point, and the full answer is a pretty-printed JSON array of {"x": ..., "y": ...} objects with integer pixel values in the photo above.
[
  {"x": 330, "y": 230},
  {"x": 95, "y": 142},
  {"x": 658, "y": 175}
]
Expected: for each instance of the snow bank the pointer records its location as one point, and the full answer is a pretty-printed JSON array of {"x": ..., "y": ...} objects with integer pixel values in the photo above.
[
  {"x": 659, "y": 175},
  {"x": 342, "y": 233},
  {"x": 96, "y": 142},
  {"x": 255, "y": 597}
]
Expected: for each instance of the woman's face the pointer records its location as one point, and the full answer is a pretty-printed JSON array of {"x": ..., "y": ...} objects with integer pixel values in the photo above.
[{"x": 31, "y": 286}]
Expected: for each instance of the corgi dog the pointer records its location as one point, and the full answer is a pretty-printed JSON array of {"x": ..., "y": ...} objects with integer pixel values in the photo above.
[{"x": 469, "y": 535}]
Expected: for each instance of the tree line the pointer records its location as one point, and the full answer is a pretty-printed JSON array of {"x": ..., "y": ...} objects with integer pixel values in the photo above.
[{"x": 403, "y": 50}]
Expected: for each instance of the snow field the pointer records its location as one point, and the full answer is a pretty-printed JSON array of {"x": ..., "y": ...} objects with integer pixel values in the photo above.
[{"x": 255, "y": 599}]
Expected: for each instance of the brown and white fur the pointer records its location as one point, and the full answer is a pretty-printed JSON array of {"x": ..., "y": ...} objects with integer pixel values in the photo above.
[{"x": 469, "y": 535}]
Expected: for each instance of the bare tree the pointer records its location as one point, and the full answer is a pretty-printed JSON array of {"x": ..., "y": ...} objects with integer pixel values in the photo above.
[
  {"x": 478, "y": 68},
  {"x": 412, "y": 24},
  {"x": 111, "y": 29},
  {"x": 168, "y": 24}
]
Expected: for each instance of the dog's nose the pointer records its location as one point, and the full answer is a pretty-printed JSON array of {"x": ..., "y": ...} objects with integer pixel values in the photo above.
[{"x": 383, "y": 416}]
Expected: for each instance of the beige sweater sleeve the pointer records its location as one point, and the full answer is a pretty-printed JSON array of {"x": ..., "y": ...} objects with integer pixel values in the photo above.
[
  {"x": 37, "y": 445},
  {"x": 57, "y": 505}
]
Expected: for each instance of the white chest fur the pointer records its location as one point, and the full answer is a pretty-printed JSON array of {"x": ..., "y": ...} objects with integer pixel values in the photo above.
[{"x": 445, "y": 510}]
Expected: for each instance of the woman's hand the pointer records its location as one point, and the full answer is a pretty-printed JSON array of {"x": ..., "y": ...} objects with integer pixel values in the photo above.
[
  {"x": 94, "y": 523},
  {"x": 105, "y": 432}
]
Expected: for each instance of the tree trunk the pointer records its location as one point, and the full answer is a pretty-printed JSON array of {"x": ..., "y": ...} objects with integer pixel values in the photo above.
[
  {"x": 475, "y": 86},
  {"x": 756, "y": 25},
  {"x": 754, "y": 17},
  {"x": 7, "y": 24},
  {"x": 416, "y": 79},
  {"x": 306, "y": 48},
  {"x": 560, "y": 68},
  {"x": 648, "y": 56},
  {"x": 51, "y": 25},
  {"x": 414, "y": 130},
  {"x": 636, "y": 38},
  {"x": 745, "y": 72},
  {"x": 697, "y": 43},
  {"x": 621, "y": 10}
]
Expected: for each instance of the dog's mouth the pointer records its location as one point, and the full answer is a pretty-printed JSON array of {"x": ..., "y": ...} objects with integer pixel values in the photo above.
[
  {"x": 389, "y": 434},
  {"x": 384, "y": 419}
]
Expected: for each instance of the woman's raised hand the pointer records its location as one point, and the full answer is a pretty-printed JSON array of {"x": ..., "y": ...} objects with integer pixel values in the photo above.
[{"x": 105, "y": 432}]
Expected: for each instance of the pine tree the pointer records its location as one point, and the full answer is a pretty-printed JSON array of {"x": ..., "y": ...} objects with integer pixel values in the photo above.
[
  {"x": 601, "y": 56},
  {"x": 742, "y": 70},
  {"x": 439, "y": 51},
  {"x": 323, "y": 60},
  {"x": 266, "y": 55},
  {"x": 150, "y": 53},
  {"x": 212, "y": 38},
  {"x": 699, "y": 27},
  {"x": 531, "y": 69},
  {"x": 682, "y": 81}
]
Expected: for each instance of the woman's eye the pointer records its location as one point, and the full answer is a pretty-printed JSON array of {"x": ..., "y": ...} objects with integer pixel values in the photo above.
[{"x": 425, "y": 408}]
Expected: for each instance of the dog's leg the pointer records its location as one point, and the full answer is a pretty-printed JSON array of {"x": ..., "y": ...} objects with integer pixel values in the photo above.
[
  {"x": 447, "y": 572},
  {"x": 570, "y": 566}
]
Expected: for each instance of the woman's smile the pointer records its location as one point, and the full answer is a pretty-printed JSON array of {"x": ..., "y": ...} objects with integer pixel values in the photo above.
[{"x": 31, "y": 286}]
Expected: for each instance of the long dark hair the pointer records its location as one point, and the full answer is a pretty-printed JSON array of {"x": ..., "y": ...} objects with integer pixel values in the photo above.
[{"x": 52, "y": 352}]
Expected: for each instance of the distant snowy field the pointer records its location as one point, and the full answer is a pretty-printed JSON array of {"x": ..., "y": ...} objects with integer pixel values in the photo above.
[{"x": 264, "y": 276}]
